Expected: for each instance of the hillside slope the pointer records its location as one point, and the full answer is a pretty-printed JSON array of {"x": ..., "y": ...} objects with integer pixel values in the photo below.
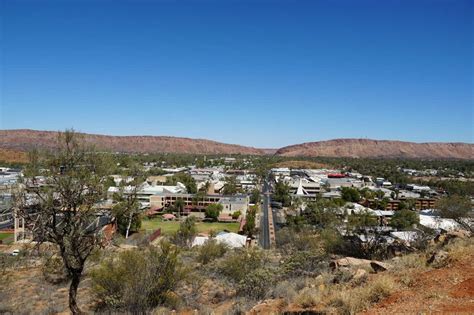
[
  {"x": 23, "y": 140},
  {"x": 363, "y": 148}
]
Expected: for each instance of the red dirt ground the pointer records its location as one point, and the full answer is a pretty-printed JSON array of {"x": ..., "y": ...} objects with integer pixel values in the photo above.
[{"x": 448, "y": 290}]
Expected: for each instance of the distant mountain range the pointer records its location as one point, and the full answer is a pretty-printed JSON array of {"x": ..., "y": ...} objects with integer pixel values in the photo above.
[
  {"x": 366, "y": 148},
  {"x": 24, "y": 140}
]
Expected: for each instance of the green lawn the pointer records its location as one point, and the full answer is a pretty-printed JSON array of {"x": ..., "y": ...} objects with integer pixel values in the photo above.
[
  {"x": 170, "y": 227},
  {"x": 4, "y": 236}
]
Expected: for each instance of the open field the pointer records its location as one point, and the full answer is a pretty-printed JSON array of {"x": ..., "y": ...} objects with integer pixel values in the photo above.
[
  {"x": 170, "y": 227},
  {"x": 5, "y": 236}
]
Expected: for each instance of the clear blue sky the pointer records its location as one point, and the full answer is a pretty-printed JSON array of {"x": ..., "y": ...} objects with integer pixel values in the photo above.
[{"x": 260, "y": 73}]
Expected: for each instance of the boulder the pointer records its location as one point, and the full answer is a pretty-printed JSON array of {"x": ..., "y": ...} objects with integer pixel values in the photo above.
[
  {"x": 379, "y": 266},
  {"x": 360, "y": 274},
  {"x": 439, "y": 258},
  {"x": 445, "y": 238},
  {"x": 458, "y": 234},
  {"x": 348, "y": 262}
]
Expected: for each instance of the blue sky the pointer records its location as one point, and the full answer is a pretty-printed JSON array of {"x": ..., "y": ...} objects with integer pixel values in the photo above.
[{"x": 259, "y": 73}]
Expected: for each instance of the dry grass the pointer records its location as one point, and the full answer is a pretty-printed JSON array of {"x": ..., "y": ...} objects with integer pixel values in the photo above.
[
  {"x": 460, "y": 249},
  {"x": 308, "y": 298},
  {"x": 348, "y": 300},
  {"x": 284, "y": 290}
]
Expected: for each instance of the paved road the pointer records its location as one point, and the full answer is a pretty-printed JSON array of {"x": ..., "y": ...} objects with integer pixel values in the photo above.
[{"x": 265, "y": 228}]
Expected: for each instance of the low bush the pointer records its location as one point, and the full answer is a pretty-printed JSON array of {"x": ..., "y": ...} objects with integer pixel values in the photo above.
[
  {"x": 303, "y": 263},
  {"x": 239, "y": 263},
  {"x": 411, "y": 261},
  {"x": 256, "y": 284},
  {"x": 54, "y": 271},
  {"x": 138, "y": 280},
  {"x": 349, "y": 300},
  {"x": 308, "y": 298},
  {"x": 210, "y": 251},
  {"x": 460, "y": 249},
  {"x": 284, "y": 290}
]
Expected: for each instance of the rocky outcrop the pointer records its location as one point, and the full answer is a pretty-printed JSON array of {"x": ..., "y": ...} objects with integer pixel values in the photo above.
[
  {"x": 24, "y": 140},
  {"x": 365, "y": 148}
]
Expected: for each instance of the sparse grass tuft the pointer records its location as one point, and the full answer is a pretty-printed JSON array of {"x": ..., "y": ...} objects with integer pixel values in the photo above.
[
  {"x": 460, "y": 249},
  {"x": 352, "y": 300},
  {"x": 308, "y": 298}
]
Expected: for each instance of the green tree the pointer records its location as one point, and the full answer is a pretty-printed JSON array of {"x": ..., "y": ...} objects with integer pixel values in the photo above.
[
  {"x": 186, "y": 232},
  {"x": 403, "y": 219},
  {"x": 185, "y": 179},
  {"x": 323, "y": 214},
  {"x": 179, "y": 205},
  {"x": 65, "y": 212},
  {"x": 213, "y": 211},
  {"x": 236, "y": 214},
  {"x": 362, "y": 219},
  {"x": 127, "y": 206},
  {"x": 230, "y": 186},
  {"x": 282, "y": 193},
  {"x": 249, "y": 226},
  {"x": 350, "y": 194},
  {"x": 255, "y": 196}
]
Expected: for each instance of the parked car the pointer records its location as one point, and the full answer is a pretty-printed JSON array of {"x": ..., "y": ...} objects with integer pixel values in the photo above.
[{"x": 15, "y": 252}]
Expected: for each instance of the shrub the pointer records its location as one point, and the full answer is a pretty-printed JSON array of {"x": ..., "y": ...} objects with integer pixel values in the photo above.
[
  {"x": 213, "y": 211},
  {"x": 284, "y": 290},
  {"x": 211, "y": 250},
  {"x": 241, "y": 262},
  {"x": 411, "y": 261},
  {"x": 290, "y": 240},
  {"x": 405, "y": 218},
  {"x": 380, "y": 288},
  {"x": 350, "y": 194},
  {"x": 54, "y": 271},
  {"x": 186, "y": 232},
  {"x": 353, "y": 300},
  {"x": 308, "y": 297},
  {"x": 236, "y": 214},
  {"x": 139, "y": 280},
  {"x": 331, "y": 239},
  {"x": 303, "y": 263},
  {"x": 460, "y": 249},
  {"x": 256, "y": 283},
  {"x": 241, "y": 306}
]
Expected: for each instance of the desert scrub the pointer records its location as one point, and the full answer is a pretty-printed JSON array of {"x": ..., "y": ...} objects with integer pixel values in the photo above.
[
  {"x": 138, "y": 280},
  {"x": 308, "y": 298},
  {"x": 241, "y": 306},
  {"x": 303, "y": 263},
  {"x": 54, "y": 271},
  {"x": 239, "y": 263},
  {"x": 284, "y": 290},
  {"x": 405, "y": 267},
  {"x": 410, "y": 261},
  {"x": 460, "y": 249},
  {"x": 256, "y": 284},
  {"x": 349, "y": 300},
  {"x": 210, "y": 251}
]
